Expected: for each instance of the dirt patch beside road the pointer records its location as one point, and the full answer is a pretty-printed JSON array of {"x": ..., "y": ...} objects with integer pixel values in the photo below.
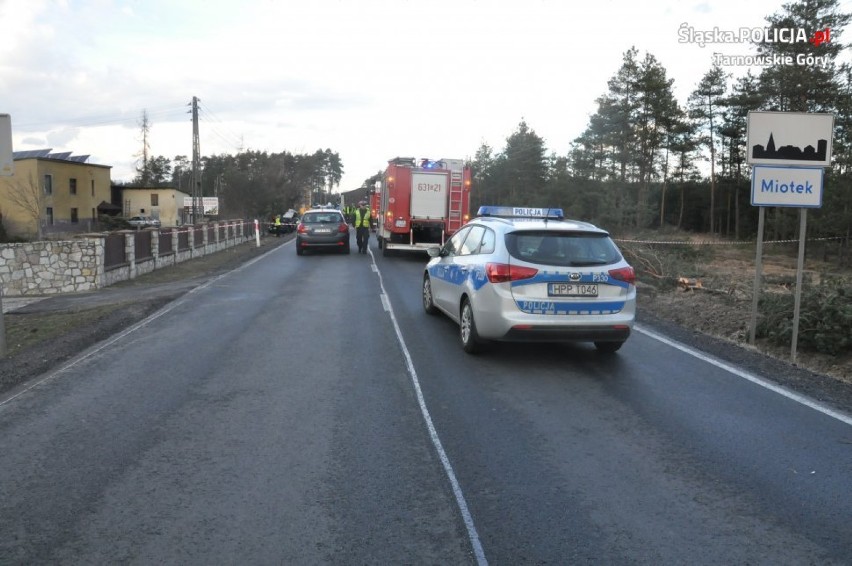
[{"x": 43, "y": 335}]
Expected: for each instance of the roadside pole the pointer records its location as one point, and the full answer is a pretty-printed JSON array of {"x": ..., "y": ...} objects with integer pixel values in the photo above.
[
  {"x": 257, "y": 232},
  {"x": 800, "y": 266},
  {"x": 758, "y": 274},
  {"x": 7, "y": 169},
  {"x": 3, "y": 348}
]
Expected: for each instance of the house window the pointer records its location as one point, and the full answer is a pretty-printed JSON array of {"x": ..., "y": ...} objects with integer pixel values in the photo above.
[
  {"x": 50, "y": 216},
  {"x": 94, "y": 215},
  {"x": 48, "y": 184},
  {"x": 155, "y": 199},
  {"x": 72, "y": 186},
  {"x": 93, "y": 187},
  {"x": 74, "y": 216}
]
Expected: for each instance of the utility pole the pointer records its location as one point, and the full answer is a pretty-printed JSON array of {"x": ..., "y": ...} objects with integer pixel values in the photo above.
[
  {"x": 197, "y": 207},
  {"x": 7, "y": 169}
]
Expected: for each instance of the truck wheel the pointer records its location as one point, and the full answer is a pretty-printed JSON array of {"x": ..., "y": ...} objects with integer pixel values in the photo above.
[
  {"x": 428, "y": 302},
  {"x": 470, "y": 340}
]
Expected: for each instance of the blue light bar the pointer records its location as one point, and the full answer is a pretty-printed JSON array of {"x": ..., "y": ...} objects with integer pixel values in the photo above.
[
  {"x": 430, "y": 164},
  {"x": 521, "y": 212}
]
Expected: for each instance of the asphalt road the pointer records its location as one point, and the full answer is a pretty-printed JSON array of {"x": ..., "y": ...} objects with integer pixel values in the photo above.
[{"x": 304, "y": 410}]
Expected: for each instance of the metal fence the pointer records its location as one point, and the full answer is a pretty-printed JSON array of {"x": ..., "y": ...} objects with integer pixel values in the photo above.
[
  {"x": 143, "y": 247},
  {"x": 114, "y": 252},
  {"x": 183, "y": 239},
  {"x": 164, "y": 242}
]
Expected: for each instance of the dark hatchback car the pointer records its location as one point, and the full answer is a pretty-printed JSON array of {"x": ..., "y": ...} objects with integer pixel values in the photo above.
[{"x": 322, "y": 229}]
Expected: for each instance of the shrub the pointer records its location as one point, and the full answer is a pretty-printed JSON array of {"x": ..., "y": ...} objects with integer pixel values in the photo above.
[{"x": 825, "y": 317}]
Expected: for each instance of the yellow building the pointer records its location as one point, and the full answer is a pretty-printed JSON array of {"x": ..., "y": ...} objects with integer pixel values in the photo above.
[
  {"x": 163, "y": 203},
  {"x": 52, "y": 194}
]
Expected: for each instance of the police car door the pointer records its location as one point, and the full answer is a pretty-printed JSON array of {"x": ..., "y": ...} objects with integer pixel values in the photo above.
[
  {"x": 446, "y": 275},
  {"x": 469, "y": 264}
]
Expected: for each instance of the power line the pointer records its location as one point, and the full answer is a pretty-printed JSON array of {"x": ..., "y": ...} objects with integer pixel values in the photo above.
[
  {"x": 228, "y": 136},
  {"x": 106, "y": 119}
]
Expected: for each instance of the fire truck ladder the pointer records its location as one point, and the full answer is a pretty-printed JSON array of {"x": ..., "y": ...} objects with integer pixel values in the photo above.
[{"x": 455, "y": 221}]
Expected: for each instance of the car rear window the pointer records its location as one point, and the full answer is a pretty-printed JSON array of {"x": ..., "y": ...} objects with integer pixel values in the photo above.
[
  {"x": 322, "y": 217},
  {"x": 574, "y": 249}
]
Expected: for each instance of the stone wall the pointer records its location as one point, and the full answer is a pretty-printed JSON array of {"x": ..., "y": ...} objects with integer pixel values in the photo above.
[
  {"x": 47, "y": 268},
  {"x": 51, "y": 267}
]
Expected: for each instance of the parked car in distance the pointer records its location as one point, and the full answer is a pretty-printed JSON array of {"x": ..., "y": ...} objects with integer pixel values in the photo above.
[
  {"x": 289, "y": 220},
  {"x": 143, "y": 222},
  {"x": 322, "y": 229}
]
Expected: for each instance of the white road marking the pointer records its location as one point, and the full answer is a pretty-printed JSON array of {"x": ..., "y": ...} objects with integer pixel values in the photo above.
[
  {"x": 433, "y": 434},
  {"x": 846, "y": 419}
]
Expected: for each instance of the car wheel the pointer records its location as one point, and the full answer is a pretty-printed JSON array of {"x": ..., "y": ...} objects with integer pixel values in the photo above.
[
  {"x": 299, "y": 250},
  {"x": 608, "y": 347},
  {"x": 346, "y": 249},
  {"x": 428, "y": 303},
  {"x": 467, "y": 329},
  {"x": 379, "y": 240}
]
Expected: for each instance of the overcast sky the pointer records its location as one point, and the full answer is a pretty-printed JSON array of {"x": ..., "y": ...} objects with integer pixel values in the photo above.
[{"x": 368, "y": 79}]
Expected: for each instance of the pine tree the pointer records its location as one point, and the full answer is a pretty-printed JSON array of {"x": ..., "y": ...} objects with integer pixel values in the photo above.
[
  {"x": 656, "y": 105},
  {"x": 525, "y": 165},
  {"x": 705, "y": 109},
  {"x": 804, "y": 87}
]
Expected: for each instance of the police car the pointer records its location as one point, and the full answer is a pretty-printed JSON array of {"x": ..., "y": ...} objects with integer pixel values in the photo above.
[{"x": 528, "y": 274}]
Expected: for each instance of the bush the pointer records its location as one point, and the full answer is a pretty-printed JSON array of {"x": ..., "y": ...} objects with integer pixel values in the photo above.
[
  {"x": 5, "y": 238},
  {"x": 825, "y": 317},
  {"x": 111, "y": 223}
]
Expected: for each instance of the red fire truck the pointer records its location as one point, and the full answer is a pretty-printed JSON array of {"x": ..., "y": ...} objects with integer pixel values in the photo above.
[
  {"x": 422, "y": 203},
  {"x": 375, "y": 198}
]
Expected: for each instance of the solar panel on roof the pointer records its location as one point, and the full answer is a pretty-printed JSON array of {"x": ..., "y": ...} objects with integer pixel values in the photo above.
[
  {"x": 30, "y": 153},
  {"x": 60, "y": 155},
  {"x": 78, "y": 158}
]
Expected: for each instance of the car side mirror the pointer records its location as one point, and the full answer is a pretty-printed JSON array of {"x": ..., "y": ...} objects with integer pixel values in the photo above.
[{"x": 433, "y": 251}]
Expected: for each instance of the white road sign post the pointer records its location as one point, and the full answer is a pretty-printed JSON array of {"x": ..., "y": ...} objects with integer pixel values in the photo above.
[
  {"x": 787, "y": 151},
  {"x": 7, "y": 168}
]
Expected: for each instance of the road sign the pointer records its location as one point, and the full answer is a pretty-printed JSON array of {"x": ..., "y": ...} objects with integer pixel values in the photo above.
[
  {"x": 786, "y": 186},
  {"x": 789, "y": 138},
  {"x": 7, "y": 165}
]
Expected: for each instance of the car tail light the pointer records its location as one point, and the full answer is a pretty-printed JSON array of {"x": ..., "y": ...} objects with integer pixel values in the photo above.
[
  {"x": 343, "y": 227},
  {"x": 301, "y": 229},
  {"x": 625, "y": 274},
  {"x": 503, "y": 272}
]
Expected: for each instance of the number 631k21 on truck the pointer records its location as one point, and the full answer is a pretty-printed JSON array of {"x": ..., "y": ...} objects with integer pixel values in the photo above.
[{"x": 422, "y": 203}]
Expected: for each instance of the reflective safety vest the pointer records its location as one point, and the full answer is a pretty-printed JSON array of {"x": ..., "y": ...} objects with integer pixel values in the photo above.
[{"x": 362, "y": 222}]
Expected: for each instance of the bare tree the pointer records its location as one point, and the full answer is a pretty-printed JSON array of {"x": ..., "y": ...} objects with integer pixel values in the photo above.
[
  {"x": 144, "y": 170},
  {"x": 30, "y": 198}
]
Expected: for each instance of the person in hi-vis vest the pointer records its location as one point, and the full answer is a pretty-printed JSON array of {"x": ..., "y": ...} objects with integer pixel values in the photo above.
[{"x": 362, "y": 226}]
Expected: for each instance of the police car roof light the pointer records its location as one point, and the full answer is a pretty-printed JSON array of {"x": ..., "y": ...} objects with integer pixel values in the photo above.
[{"x": 521, "y": 212}]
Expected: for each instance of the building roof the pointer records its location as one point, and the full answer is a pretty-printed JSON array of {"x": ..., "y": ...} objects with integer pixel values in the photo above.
[{"x": 47, "y": 154}]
